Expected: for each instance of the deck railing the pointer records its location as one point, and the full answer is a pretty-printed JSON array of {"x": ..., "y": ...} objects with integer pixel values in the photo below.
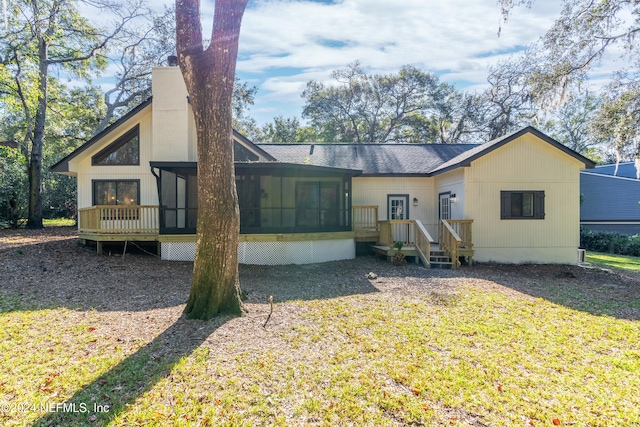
[
  {"x": 119, "y": 219},
  {"x": 365, "y": 218},
  {"x": 410, "y": 233},
  {"x": 449, "y": 242},
  {"x": 397, "y": 230},
  {"x": 463, "y": 228}
]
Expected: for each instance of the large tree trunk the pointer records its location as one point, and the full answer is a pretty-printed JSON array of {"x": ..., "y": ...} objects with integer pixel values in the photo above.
[
  {"x": 34, "y": 219},
  {"x": 209, "y": 75}
]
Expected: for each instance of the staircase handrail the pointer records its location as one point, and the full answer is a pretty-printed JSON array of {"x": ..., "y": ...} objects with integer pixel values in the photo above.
[
  {"x": 448, "y": 236},
  {"x": 423, "y": 243}
]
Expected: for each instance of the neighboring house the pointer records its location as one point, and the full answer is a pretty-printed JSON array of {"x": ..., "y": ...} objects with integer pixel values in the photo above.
[
  {"x": 514, "y": 199},
  {"x": 611, "y": 202}
]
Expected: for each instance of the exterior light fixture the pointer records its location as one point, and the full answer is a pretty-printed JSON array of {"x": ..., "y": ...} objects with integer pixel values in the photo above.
[
  {"x": 415, "y": 201},
  {"x": 453, "y": 198}
]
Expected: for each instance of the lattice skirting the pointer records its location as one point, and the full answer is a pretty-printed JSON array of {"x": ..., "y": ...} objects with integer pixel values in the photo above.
[
  {"x": 273, "y": 253},
  {"x": 180, "y": 251}
]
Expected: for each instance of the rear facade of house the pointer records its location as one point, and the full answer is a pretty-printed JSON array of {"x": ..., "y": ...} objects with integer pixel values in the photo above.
[{"x": 513, "y": 200}]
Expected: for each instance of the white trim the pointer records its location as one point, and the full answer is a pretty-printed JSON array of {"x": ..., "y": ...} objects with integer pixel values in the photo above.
[
  {"x": 609, "y": 176},
  {"x": 610, "y": 222},
  {"x": 613, "y": 164}
]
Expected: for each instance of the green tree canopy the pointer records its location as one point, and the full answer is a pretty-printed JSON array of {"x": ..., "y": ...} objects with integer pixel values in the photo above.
[
  {"x": 409, "y": 106},
  {"x": 42, "y": 35}
]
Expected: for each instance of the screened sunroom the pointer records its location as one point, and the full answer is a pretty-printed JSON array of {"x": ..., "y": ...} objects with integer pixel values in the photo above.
[{"x": 274, "y": 198}]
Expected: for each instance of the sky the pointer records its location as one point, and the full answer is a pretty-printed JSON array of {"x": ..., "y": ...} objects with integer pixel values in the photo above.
[{"x": 286, "y": 43}]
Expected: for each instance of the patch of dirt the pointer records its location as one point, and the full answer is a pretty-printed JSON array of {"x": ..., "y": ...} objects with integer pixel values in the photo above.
[{"x": 51, "y": 268}]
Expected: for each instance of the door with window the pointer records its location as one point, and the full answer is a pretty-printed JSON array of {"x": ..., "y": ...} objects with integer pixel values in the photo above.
[
  {"x": 398, "y": 206},
  {"x": 445, "y": 206},
  {"x": 444, "y": 209}
]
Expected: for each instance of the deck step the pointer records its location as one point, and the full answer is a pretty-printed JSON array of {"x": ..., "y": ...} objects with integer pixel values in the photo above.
[{"x": 439, "y": 259}]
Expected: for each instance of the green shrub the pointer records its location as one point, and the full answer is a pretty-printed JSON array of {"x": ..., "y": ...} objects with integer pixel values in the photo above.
[{"x": 609, "y": 242}]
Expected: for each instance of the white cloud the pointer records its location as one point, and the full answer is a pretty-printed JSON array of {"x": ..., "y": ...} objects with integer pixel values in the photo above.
[{"x": 285, "y": 43}]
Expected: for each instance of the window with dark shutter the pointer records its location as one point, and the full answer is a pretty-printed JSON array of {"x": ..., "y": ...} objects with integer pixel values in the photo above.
[{"x": 522, "y": 205}]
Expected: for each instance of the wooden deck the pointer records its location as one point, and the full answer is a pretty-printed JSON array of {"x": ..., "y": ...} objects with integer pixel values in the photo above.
[
  {"x": 454, "y": 240},
  {"x": 389, "y": 252},
  {"x": 117, "y": 223}
]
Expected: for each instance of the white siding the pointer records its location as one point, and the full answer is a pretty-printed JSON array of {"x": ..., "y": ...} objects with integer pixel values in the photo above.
[
  {"x": 87, "y": 173},
  {"x": 374, "y": 191},
  {"x": 453, "y": 182},
  {"x": 171, "y": 121}
]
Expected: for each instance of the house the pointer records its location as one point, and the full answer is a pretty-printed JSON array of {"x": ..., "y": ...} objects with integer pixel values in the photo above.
[
  {"x": 611, "y": 199},
  {"x": 514, "y": 199}
]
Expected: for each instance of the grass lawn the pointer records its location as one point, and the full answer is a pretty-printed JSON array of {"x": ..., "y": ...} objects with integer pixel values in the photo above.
[
  {"x": 476, "y": 357},
  {"x": 91, "y": 340},
  {"x": 610, "y": 260},
  {"x": 58, "y": 222}
]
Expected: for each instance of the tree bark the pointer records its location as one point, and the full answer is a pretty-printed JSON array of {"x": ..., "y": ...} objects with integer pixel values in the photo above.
[
  {"x": 209, "y": 75},
  {"x": 34, "y": 219}
]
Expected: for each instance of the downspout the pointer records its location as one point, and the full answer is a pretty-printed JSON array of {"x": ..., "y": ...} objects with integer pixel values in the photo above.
[{"x": 160, "y": 211}]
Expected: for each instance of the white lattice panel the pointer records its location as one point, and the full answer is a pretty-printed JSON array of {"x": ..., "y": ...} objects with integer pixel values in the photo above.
[
  {"x": 282, "y": 253},
  {"x": 181, "y": 251},
  {"x": 273, "y": 253}
]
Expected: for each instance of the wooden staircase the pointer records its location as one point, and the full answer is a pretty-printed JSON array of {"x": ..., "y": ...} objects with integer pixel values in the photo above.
[
  {"x": 439, "y": 258},
  {"x": 419, "y": 244}
]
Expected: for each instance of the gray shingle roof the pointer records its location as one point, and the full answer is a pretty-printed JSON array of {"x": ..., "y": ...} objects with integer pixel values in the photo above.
[
  {"x": 372, "y": 159},
  {"x": 401, "y": 159}
]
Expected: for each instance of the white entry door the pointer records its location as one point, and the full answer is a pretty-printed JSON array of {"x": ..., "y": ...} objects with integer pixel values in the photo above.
[
  {"x": 398, "y": 210},
  {"x": 445, "y": 206},
  {"x": 398, "y": 207}
]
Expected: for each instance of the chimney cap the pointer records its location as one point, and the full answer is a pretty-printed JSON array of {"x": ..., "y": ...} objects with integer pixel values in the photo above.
[{"x": 172, "y": 60}]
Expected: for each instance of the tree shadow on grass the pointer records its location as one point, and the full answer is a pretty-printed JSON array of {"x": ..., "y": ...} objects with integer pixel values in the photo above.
[
  {"x": 134, "y": 376},
  {"x": 109, "y": 395}
]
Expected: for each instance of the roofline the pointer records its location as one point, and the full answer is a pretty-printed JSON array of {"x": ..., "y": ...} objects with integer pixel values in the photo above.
[
  {"x": 63, "y": 165},
  {"x": 161, "y": 164},
  {"x": 613, "y": 164},
  {"x": 264, "y": 165},
  {"x": 246, "y": 140},
  {"x": 499, "y": 142},
  {"x": 603, "y": 175},
  {"x": 395, "y": 175},
  {"x": 356, "y": 144}
]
